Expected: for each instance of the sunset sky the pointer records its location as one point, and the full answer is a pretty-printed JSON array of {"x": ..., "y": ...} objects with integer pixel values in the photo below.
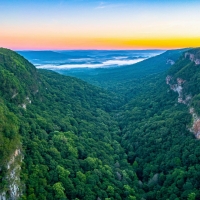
[{"x": 109, "y": 24}]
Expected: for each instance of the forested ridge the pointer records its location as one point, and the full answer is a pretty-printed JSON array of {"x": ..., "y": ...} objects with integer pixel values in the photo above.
[
  {"x": 126, "y": 81},
  {"x": 78, "y": 141}
]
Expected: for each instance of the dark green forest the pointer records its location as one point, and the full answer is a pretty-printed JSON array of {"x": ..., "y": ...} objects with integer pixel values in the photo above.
[{"x": 123, "y": 137}]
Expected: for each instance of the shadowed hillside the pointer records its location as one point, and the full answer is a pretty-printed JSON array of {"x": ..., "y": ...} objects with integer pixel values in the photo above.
[{"x": 62, "y": 138}]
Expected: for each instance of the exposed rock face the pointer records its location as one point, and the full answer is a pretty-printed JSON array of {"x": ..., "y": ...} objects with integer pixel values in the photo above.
[
  {"x": 197, "y": 61},
  {"x": 180, "y": 81},
  {"x": 196, "y": 124},
  {"x": 13, "y": 177},
  {"x": 168, "y": 79},
  {"x": 193, "y": 58},
  {"x": 178, "y": 87},
  {"x": 196, "y": 128},
  {"x": 153, "y": 180},
  {"x": 171, "y": 62},
  {"x": 14, "y": 95},
  {"x": 3, "y": 196},
  {"x": 190, "y": 55},
  {"x": 27, "y": 101}
]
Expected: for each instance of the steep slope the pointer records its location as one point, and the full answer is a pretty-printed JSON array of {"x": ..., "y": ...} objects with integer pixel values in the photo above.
[
  {"x": 19, "y": 78},
  {"x": 69, "y": 142},
  {"x": 18, "y": 84},
  {"x": 184, "y": 78},
  {"x": 156, "y": 133},
  {"x": 186, "y": 72}
]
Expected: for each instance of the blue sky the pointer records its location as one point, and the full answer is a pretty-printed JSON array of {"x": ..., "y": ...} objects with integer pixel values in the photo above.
[{"x": 84, "y": 24}]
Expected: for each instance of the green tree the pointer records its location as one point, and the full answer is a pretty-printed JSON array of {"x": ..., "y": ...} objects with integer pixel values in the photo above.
[{"x": 59, "y": 191}]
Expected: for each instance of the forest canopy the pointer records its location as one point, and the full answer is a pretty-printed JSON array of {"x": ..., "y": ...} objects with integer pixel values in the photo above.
[{"x": 80, "y": 141}]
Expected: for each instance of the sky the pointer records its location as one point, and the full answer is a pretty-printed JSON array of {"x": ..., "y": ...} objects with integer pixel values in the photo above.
[{"x": 108, "y": 24}]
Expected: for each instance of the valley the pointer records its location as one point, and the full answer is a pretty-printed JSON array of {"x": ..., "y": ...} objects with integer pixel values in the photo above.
[{"x": 119, "y": 133}]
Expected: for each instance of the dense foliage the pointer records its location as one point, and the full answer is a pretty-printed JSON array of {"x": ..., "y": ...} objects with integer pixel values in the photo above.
[
  {"x": 160, "y": 146},
  {"x": 67, "y": 137},
  {"x": 126, "y": 80},
  {"x": 81, "y": 142}
]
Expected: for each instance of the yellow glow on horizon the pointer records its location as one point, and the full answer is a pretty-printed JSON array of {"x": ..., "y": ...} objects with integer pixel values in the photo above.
[
  {"x": 42, "y": 42},
  {"x": 151, "y": 43},
  {"x": 81, "y": 25}
]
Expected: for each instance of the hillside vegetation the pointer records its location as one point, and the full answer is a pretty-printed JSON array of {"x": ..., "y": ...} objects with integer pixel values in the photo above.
[
  {"x": 70, "y": 143},
  {"x": 126, "y": 80},
  {"x": 78, "y": 141}
]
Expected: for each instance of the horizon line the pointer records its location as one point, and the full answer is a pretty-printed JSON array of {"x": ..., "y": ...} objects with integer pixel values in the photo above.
[{"x": 153, "y": 49}]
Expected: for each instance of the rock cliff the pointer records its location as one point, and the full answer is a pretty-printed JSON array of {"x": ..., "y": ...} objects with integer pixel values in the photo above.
[
  {"x": 12, "y": 186},
  {"x": 177, "y": 86},
  {"x": 183, "y": 79}
]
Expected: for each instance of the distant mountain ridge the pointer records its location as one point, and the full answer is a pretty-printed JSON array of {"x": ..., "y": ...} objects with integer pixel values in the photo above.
[
  {"x": 42, "y": 55},
  {"x": 86, "y": 58},
  {"x": 125, "y": 80}
]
